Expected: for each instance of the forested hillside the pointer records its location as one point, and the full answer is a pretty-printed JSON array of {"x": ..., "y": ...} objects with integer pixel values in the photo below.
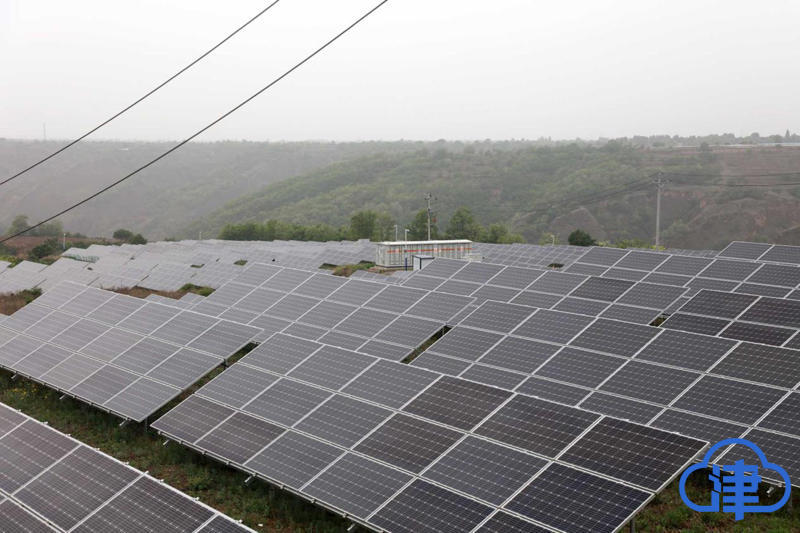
[
  {"x": 189, "y": 183},
  {"x": 606, "y": 190}
]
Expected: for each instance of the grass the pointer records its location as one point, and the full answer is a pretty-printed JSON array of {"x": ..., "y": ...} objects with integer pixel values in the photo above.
[
  {"x": 10, "y": 303},
  {"x": 667, "y": 512},
  {"x": 347, "y": 270},
  {"x": 197, "y": 289},
  {"x": 257, "y": 504}
]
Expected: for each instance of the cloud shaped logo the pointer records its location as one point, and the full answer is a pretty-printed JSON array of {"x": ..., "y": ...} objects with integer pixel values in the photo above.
[{"x": 736, "y": 484}]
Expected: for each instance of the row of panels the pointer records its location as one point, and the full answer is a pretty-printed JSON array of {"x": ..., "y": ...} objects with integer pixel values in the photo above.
[
  {"x": 50, "y": 482},
  {"x": 406, "y": 449}
]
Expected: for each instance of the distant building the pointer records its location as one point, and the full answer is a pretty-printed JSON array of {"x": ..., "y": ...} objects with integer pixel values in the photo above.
[{"x": 400, "y": 254}]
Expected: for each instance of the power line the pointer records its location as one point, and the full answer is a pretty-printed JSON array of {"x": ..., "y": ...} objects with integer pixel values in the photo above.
[
  {"x": 141, "y": 99},
  {"x": 761, "y": 175},
  {"x": 596, "y": 196},
  {"x": 205, "y": 128}
]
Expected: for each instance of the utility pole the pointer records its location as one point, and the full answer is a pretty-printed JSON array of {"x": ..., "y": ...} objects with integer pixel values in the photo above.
[
  {"x": 428, "y": 199},
  {"x": 405, "y": 234},
  {"x": 395, "y": 233},
  {"x": 659, "y": 181}
]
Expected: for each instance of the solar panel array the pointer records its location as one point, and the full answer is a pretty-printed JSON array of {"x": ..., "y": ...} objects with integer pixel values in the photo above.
[
  {"x": 405, "y": 449},
  {"x": 536, "y": 412},
  {"x": 50, "y": 482},
  {"x": 120, "y": 353}
]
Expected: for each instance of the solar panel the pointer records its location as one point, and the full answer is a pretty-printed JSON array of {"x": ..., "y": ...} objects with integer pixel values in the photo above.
[
  {"x": 730, "y": 400},
  {"x": 667, "y": 279},
  {"x": 256, "y": 274},
  {"x": 553, "y": 326},
  {"x": 71, "y": 372},
  {"x": 697, "y": 426},
  {"x": 757, "y": 333},
  {"x": 259, "y": 300},
  {"x": 327, "y": 314},
  {"x": 409, "y": 331},
  {"x": 40, "y": 361},
  {"x": 580, "y": 306},
  {"x": 762, "y": 290},
  {"x": 515, "y": 277},
  {"x": 365, "y": 322},
  {"x": 536, "y": 425},
  {"x": 641, "y": 260},
  {"x": 619, "y": 338},
  {"x": 745, "y": 250},
  {"x": 149, "y": 318},
  {"x": 465, "y": 343},
  {"x": 493, "y": 376},
  {"x": 784, "y": 417},
  {"x": 286, "y": 280},
  {"x": 408, "y": 443},
  {"x": 331, "y": 367},
  {"x": 603, "y": 256},
  {"x": 493, "y": 292},
  {"x": 192, "y": 419},
  {"x": 356, "y": 292},
  {"x": 426, "y": 508},
  {"x": 557, "y": 282},
  {"x": 604, "y": 289},
  {"x": 732, "y": 270},
  {"x": 462, "y": 288},
  {"x": 304, "y": 331},
  {"x": 356, "y": 485},
  {"x": 440, "y": 363},
  {"x": 622, "y": 408},
  {"x": 439, "y": 306},
  {"x": 484, "y": 469},
  {"x": 695, "y": 324},
  {"x": 683, "y": 265},
  {"x": 644, "y": 456},
  {"x": 116, "y": 309},
  {"x": 443, "y": 268},
  {"x": 698, "y": 284},
  {"x": 579, "y": 367},
  {"x": 239, "y": 437},
  {"x": 320, "y": 286},
  {"x": 505, "y": 523},
  {"x": 542, "y": 300},
  {"x": 77, "y": 488},
  {"x": 522, "y": 355},
  {"x": 624, "y": 273},
  {"x": 652, "y": 295},
  {"x": 762, "y": 364},
  {"x": 576, "y": 501},
  {"x": 718, "y": 304},
  {"x": 774, "y": 311},
  {"x": 395, "y": 299},
  {"x": 420, "y": 281},
  {"x": 343, "y": 421},
  {"x": 385, "y": 350},
  {"x": 583, "y": 268},
  {"x": 390, "y": 384},
  {"x": 629, "y": 313},
  {"x": 280, "y": 353},
  {"x": 782, "y": 254},
  {"x": 456, "y": 402},
  {"x": 780, "y": 449},
  {"x": 636, "y": 380},
  {"x": 781, "y": 275},
  {"x": 286, "y": 402},
  {"x": 291, "y": 307}
]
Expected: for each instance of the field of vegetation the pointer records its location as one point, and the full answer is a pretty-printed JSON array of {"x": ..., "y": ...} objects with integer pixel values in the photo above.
[{"x": 534, "y": 191}]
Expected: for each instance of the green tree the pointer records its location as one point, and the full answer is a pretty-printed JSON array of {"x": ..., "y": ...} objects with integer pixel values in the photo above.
[
  {"x": 500, "y": 234},
  {"x": 123, "y": 234},
  {"x": 20, "y": 223},
  {"x": 138, "y": 239},
  {"x": 384, "y": 228},
  {"x": 418, "y": 229},
  {"x": 580, "y": 238},
  {"x": 463, "y": 225},
  {"x": 49, "y": 229},
  {"x": 362, "y": 224},
  {"x": 48, "y": 247}
]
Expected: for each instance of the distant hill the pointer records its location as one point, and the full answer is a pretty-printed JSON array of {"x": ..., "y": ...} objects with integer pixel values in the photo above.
[
  {"x": 528, "y": 188},
  {"x": 188, "y": 184}
]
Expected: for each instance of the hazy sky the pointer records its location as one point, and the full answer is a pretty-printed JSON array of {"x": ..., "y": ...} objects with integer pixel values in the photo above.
[{"x": 416, "y": 69}]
